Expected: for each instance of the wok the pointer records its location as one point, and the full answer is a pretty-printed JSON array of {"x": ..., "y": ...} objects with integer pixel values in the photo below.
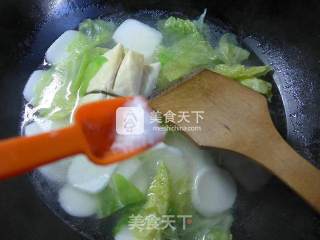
[{"x": 283, "y": 34}]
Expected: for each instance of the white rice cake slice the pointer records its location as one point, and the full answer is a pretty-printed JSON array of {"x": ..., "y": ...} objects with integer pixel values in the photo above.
[
  {"x": 58, "y": 51},
  {"x": 138, "y": 37}
]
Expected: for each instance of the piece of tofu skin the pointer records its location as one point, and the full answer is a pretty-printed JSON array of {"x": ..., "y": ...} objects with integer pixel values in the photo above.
[
  {"x": 105, "y": 77},
  {"x": 150, "y": 76},
  {"x": 129, "y": 78}
]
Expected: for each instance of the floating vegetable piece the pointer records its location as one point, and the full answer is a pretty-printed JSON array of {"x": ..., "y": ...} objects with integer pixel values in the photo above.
[
  {"x": 58, "y": 90},
  {"x": 92, "y": 33},
  {"x": 120, "y": 193},
  {"x": 229, "y": 52},
  {"x": 98, "y": 31},
  {"x": 91, "y": 62},
  {"x": 248, "y": 76},
  {"x": 77, "y": 59},
  {"x": 258, "y": 85},
  {"x": 186, "y": 50},
  {"x": 183, "y": 57},
  {"x": 157, "y": 202},
  {"x": 239, "y": 72},
  {"x": 174, "y": 29}
]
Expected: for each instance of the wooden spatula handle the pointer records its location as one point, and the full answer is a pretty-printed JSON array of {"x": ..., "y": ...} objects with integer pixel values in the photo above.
[
  {"x": 21, "y": 154},
  {"x": 237, "y": 119},
  {"x": 277, "y": 156}
]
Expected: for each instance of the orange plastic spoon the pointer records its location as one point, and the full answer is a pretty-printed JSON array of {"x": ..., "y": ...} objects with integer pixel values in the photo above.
[{"x": 93, "y": 134}]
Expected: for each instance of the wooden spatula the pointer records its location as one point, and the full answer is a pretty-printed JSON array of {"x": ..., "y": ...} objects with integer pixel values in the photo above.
[{"x": 237, "y": 119}]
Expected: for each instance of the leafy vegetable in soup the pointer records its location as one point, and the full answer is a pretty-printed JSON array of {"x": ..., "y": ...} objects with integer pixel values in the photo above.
[{"x": 173, "y": 191}]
